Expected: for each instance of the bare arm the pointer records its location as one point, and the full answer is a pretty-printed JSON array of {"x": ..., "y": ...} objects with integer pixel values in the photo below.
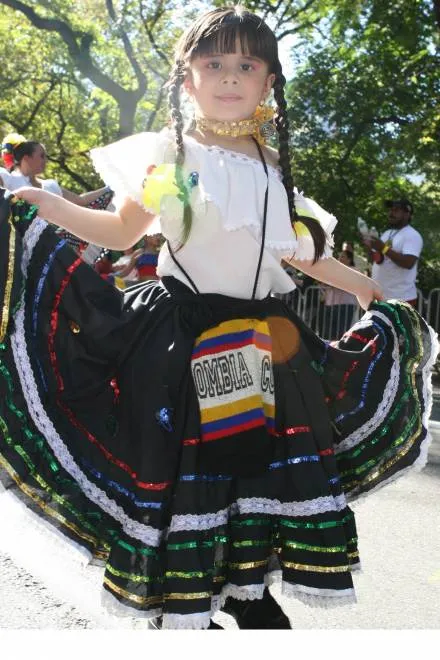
[
  {"x": 333, "y": 272},
  {"x": 85, "y": 198},
  {"x": 117, "y": 231}
]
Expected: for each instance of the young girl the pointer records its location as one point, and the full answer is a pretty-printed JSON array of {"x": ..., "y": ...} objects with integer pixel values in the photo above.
[{"x": 194, "y": 434}]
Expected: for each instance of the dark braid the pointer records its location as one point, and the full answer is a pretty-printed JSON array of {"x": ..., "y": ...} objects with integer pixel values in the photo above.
[
  {"x": 282, "y": 126},
  {"x": 175, "y": 83}
]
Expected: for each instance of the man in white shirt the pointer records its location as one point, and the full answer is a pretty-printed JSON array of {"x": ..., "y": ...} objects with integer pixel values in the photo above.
[{"x": 396, "y": 253}]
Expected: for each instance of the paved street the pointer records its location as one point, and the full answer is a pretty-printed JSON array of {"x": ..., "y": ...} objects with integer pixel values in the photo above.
[{"x": 399, "y": 587}]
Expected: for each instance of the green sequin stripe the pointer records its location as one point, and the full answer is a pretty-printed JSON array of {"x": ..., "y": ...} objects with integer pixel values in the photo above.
[
  {"x": 328, "y": 524},
  {"x": 191, "y": 545},
  {"x": 416, "y": 332},
  {"x": 373, "y": 441},
  {"x": 401, "y": 440},
  {"x": 251, "y": 521},
  {"x": 54, "y": 467},
  {"x": 45, "y": 486},
  {"x": 148, "y": 552},
  {"x": 37, "y": 440},
  {"x": 249, "y": 543},
  {"x": 318, "y": 548}
]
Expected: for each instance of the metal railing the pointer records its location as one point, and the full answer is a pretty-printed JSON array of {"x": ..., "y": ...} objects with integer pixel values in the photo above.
[{"x": 331, "y": 321}]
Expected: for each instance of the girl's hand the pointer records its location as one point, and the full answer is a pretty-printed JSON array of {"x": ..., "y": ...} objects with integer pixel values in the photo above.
[
  {"x": 29, "y": 194},
  {"x": 41, "y": 198},
  {"x": 370, "y": 292}
]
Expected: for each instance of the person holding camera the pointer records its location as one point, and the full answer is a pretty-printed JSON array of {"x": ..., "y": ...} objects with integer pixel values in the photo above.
[{"x": 395, "y": 254}]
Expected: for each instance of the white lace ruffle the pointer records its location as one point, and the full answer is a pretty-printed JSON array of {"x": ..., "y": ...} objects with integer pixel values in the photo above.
[
  {"x": 199, "y": 621},
  {"x": 193, "y": 522},
  {"x": 133, "y": 528},
  {"x": 306, "y": 508},
  {"x": 324, "y": 598},
  {"x": 116, "y": 608}
]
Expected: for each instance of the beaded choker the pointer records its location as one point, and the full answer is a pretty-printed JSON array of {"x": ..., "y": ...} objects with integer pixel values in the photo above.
[{"x": 259, "y": 126}]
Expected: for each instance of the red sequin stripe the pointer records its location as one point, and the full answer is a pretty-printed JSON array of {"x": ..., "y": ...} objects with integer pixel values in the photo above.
[
  {"x": 326, "y": 452},
  {"x": 342, "y": 392},
  {"x": 54, "y": 322},
  {"x": 191, "y": 441},
  {"x": 364, "y": 340},
  {"x": 66, "y": 409},
  {"x": 293, "y": 430}
]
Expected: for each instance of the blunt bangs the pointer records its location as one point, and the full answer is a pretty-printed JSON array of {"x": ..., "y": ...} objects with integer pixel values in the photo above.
[{"x": 221, "y": 34}]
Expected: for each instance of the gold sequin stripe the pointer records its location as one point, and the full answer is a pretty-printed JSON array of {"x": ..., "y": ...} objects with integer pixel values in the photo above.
[
  {"x": 132, "y": 576},
  {"x": 316, "y": 569},
  {"x": 43, "y": 505},
  {"x": 191, "y": 596},
  {"x": 9, "y": 281},
  {"x": 186, "y": 575},
  {"x": 140, "y": 600},
  {"x": 245, "y": 566}
]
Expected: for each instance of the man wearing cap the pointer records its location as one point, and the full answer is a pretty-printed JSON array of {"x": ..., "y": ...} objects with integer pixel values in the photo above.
[{"x": 396, "y": 253}]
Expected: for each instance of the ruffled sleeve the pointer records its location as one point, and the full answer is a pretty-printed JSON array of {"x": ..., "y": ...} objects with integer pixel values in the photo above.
[
  {"x": 308, "y": 208},
  {"x": 124, "y": 165}
]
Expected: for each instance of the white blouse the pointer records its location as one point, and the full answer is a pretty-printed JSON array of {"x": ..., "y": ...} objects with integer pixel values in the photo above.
[
  {"x": 227, "y": 200},
  {"x": 15, "y": 179}
]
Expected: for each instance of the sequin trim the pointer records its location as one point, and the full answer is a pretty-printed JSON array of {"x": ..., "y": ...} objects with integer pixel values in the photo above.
[
  {"x": 140, "y": 600},
  {"x": 144, "y": 533},
  {"x": 315, "y": 569},
  {"x": 9, "y": 281}
]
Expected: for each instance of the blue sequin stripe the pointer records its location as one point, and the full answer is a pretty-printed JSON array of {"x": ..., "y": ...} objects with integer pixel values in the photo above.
[
  {"x": 207, "y": 478},
  {"x": 113, "y": 484}
]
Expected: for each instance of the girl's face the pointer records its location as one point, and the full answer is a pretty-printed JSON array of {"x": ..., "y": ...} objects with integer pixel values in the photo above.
[
  {"x": 36, "y": 162},
  {"x": 227, "y": 87}
]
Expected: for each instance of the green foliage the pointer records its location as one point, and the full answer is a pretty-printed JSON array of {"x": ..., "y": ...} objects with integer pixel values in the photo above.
[
  {"x": 97, "y": 74},
  {"x": 365, "y": 117}
]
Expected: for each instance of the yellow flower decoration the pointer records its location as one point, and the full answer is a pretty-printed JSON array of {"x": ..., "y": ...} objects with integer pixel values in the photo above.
[{"x": 159, "y": 183}]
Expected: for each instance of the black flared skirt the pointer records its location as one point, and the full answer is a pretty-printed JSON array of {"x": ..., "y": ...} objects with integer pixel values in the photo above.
[{"x": 105, "y": 433}]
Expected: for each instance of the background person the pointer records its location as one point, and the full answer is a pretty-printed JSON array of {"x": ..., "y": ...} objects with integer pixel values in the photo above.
[
  {"x": 399, "y": 248},
  {"x": 25, "y": 159}
]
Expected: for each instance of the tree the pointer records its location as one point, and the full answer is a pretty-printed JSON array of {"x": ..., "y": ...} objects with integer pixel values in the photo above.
[{"x": 97, "y": 74}]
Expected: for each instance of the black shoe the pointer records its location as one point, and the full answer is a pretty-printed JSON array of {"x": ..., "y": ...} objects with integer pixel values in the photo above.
[
  {"x": 156, "y": 624},
  {"x": 263, "y": 614}
]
